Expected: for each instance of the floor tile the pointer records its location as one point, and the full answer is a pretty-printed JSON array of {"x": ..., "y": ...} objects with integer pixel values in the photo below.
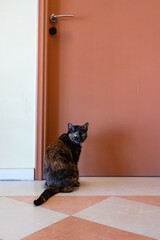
[
  {"x": 73, "y": 228},
  {"x": 103, "y": 208},
  {"x": 117, "y": 186},
  {"x": 26, "y": 199},
  {"x": 18, "y": 219},
  {"x": 90, "y": 186},
  {"x": 135, "y": 217},
  {"x": 153, "y": 200},
  {"x": 21, "y": 188},
  {"x": 65, "y": 204}
]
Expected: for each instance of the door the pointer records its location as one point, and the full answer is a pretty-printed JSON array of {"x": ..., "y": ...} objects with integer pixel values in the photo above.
[{"x": 103, "y": 68}]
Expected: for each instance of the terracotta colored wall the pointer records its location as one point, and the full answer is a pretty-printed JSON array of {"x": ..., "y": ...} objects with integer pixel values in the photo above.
[{"x": 103, "y": 67}]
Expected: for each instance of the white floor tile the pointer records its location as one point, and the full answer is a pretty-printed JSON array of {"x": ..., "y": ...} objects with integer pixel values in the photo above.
[
  {"x": 118, "y": 186},
  {"x": 90, "y": 186},
  {"x": 18, "y": 219},
  {"x": 21, "y": 188},
  {"x": 139, "y": 218}
]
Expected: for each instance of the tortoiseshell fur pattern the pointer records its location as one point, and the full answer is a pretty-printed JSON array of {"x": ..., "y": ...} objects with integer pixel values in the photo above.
[{"x": 60, "y": 166}]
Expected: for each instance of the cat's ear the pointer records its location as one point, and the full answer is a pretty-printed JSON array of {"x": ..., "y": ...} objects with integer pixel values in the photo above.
[
  {"x": 85, "y": 126},
  {"x": 70, "y": 127}
]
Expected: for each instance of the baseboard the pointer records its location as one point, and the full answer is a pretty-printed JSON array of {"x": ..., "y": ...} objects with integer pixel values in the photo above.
[{"x": 16, "y": 174}]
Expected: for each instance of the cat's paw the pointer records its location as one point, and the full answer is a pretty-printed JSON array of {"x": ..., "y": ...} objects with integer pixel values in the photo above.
[
  {"x": 77, "y": 184},
  {"x": 67, "y": 189}
]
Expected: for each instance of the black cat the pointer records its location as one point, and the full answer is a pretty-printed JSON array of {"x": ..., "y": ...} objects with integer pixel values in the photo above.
[{"x": 60, "y": 166}]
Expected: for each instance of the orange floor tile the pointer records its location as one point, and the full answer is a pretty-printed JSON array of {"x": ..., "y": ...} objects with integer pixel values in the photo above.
[
  {"x": 68, "y": 205},
  {"x": 153, "y": 200},
  {"x": 73, "y": 228}
]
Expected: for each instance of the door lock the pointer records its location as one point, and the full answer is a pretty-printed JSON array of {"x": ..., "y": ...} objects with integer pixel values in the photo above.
[
  {"x": 52, "y": 31},
  {"x": 53, "y": 17}
]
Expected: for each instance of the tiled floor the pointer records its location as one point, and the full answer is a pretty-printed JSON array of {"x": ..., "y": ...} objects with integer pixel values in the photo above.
[{"x": 101, "y": 209}]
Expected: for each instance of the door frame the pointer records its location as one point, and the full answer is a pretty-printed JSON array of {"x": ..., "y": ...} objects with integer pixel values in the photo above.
[{"x": 41, "y": 91}]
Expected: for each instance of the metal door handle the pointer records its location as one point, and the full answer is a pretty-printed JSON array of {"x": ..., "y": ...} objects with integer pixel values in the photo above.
[{"x": 53, "y": 17}]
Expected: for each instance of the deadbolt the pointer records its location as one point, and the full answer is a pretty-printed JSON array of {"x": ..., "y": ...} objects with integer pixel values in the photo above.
[{"x": 52, "y": 30}]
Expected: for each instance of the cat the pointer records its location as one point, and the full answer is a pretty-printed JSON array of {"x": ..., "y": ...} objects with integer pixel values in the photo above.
[{"x": 60, "y": 166}]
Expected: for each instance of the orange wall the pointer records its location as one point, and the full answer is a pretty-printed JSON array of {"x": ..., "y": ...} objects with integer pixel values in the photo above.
[{"x": 103, "y": 67}]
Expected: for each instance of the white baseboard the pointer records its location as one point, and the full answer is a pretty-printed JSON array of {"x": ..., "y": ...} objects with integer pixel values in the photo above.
[{"x": 16, "y": 174}]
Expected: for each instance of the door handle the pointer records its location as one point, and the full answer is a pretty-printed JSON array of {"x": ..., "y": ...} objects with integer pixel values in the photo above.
[{"x": 53, "y": 17}]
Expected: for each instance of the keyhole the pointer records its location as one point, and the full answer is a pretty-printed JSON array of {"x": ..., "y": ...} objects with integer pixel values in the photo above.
[{"x": 52, "y": 31}]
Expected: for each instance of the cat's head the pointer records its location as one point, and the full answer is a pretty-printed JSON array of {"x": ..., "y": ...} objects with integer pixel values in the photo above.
[{"x": 77, "y": 134}]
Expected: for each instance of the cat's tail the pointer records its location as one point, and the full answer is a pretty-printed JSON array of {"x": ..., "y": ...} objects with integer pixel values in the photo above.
[{"x": 48, "y": 193}]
